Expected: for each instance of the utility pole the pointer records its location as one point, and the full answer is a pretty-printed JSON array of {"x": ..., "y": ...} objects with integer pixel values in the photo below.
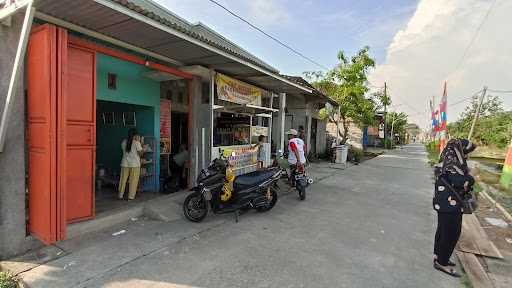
[
  {"x": 477, "y": 113},
  {"x": 385, "y": 110}
]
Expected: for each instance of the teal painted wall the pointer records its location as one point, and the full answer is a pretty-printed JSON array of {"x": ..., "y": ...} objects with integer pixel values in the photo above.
[{"x": 142, "y": 96}]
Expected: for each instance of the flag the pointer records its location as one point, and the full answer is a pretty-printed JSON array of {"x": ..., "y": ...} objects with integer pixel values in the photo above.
[
  {"x": 433, "y": 120},
  {"x": 443, "y": 119}
]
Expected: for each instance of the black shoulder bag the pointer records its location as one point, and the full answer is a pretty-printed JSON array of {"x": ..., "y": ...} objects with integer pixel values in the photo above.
[{"x": 469, "y": 205}]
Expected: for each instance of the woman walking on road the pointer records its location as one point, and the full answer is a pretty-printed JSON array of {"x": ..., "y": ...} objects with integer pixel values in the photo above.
[{"x": 452, "y": 178}]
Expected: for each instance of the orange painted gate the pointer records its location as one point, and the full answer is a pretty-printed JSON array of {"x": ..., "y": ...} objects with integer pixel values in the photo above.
[{"x": 61, "y": 108}]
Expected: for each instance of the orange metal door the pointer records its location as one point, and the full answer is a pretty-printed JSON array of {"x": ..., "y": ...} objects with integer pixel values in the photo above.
[
  {"x": 80, "y": 121},
  {"x": 41, "y": 133}
]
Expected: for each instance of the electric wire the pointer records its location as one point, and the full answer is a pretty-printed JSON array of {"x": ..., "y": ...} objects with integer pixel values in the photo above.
[
  {"x": 475, "y": 36},
  {"x": 268, "y": 35},
  {"x": 465, "y": 99},
  {"x": 500, "y": 91}
]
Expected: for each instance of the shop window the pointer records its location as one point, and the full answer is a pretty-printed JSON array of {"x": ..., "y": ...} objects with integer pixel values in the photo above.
[{"x": 112, "y": 81}]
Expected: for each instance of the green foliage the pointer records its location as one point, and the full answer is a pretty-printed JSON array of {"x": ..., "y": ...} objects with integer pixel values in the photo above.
[
  {"x": 385, "y": 143},
  {"x": 8, "y": 280},
  {"x": 347, "y": 85},
  {"x": 433, "y": 154},
  {"x": 381, "y": 100},
  {"x": 494, "y": 127},
  {"x": 323, "y": 114},
  {"x": 397, "y": 122},
  {"x": 356, "y": 154}
]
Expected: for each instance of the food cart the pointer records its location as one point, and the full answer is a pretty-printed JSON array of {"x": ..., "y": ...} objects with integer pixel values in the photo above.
[{"x": 240, "y": 114}]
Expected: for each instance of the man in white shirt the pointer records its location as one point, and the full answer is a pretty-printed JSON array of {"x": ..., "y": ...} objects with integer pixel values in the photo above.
[{"x": 296, "y": 155}]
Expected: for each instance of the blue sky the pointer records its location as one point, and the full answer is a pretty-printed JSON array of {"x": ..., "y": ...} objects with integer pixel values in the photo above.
[
  {"x": 418, "y": 44},
  {"x": 318, "y": 29}
]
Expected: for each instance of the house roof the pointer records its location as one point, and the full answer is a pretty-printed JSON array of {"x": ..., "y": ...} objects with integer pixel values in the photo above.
[
  {"x": 198, "y": 30},
  {"x": 157, "y": 31},
  {"x": 315, "y": 92}
]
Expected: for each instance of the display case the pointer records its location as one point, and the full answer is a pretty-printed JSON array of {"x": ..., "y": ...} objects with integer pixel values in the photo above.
[{"x": 148, "y": 179}]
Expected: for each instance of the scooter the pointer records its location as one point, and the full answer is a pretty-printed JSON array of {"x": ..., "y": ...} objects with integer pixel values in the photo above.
[
  {"x": 297, "y": 178},
  {"x": 219, "y": 190}
]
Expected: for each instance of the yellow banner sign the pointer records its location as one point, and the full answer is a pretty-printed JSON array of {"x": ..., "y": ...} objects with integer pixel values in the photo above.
[{"x": 232, "y": 90}]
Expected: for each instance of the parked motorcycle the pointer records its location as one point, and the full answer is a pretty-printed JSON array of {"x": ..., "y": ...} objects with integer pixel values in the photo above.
[{"x": 222, "y": 192}]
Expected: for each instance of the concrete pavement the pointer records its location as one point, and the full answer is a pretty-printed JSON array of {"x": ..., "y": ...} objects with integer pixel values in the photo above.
[{"x": 369, "y": 225}]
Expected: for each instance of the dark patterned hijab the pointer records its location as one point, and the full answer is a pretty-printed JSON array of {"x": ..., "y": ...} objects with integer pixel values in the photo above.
[{"x": 454, "y": 156}]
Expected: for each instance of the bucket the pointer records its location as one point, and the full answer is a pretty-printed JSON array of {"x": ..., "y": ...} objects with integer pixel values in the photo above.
[{"x": 341, "y": 154}]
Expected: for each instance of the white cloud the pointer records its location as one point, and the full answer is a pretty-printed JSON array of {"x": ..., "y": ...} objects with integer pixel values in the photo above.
[
  {"x": 428, "y": 49},
  {"x": 267, "y": 13}
]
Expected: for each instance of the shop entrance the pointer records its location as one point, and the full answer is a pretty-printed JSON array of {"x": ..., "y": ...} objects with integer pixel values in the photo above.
[
  {"x": 81, "y": 98},
  {"x": 113, "y": 122}
]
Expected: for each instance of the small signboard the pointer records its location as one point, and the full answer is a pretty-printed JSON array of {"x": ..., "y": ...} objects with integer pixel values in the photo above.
[
  {"x": 165, "y": 126},
  {"x": 259, "y": 130}
]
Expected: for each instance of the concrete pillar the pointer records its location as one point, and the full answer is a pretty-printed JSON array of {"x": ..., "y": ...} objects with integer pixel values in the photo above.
[
  {"x": 195, "y": 129},
  {"x": 13, "y": 238},
  {"x": 281, "y": 114},
  {"x": 309, "y": 112}
]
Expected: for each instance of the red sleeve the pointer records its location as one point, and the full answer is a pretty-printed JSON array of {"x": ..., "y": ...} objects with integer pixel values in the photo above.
[{"x": 293, "y": 146}]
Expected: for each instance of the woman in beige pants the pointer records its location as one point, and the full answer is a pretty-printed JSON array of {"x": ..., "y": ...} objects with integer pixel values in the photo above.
[{"x": 130, "y": 164}]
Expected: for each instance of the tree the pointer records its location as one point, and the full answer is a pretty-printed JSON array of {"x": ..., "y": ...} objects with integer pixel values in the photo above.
[
  {"x": 490, "y": 106},
  {"x": 380, "y": 99},
  {"x": 397, "y": 123},
  {"x": 493, "y": 127},
  {"x": 346, "y": 84}
]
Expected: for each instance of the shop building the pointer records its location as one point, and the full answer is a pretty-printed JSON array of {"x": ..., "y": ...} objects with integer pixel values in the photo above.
[
  {"x": 302, "y": 111},
  {"x": 79, "y": 74}
]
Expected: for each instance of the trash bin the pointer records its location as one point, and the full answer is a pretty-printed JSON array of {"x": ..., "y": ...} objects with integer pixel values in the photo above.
[{"x": 341, "y": 154}]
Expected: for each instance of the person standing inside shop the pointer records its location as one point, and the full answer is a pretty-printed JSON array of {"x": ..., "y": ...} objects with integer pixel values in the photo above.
[
  {"x": 260, "y": 154},
  {"x": 179, "y": 163},
  {"x": 130, "y": 164}
]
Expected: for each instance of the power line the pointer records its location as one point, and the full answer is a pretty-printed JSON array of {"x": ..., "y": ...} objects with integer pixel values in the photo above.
[
  {"x": 500, "y": 91},
  {"x": 268, "y": 35},
  {"x": 465, "y": 99},
  {"x": 477, "y": 32}
]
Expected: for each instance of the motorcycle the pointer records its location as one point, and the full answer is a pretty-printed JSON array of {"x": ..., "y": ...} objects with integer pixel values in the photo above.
[
  {"x": 297, "y": 178},
  {"x": 219, "y": 190}
]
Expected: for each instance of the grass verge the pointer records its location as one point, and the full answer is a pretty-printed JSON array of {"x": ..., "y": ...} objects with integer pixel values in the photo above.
[{"x": 7, "y": 280}]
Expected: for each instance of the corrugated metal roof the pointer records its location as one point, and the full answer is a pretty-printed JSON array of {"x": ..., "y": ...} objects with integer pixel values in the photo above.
[
  {"x": 160, "y": 32},
  {"x": 198, "y": 31},
  {"x": 303, "y": 82}
]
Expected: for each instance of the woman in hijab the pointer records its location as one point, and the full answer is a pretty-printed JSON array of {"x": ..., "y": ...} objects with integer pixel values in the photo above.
[
  {"x": 130, "y": 164},
  {"x": 453, "y": 178}
]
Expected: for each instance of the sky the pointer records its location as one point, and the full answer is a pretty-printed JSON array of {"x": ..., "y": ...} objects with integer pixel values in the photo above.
[{"x": 417, "y": 44}]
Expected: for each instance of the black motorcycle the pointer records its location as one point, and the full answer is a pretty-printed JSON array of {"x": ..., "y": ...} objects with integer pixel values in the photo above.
[
  {"x": 256, "y": 190},
  {"x": 297, "y": 178},
  {"x": 300, "y": 180}
]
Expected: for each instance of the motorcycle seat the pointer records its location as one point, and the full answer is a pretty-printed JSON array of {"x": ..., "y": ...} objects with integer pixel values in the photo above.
[{"x": 252, "y": 179}]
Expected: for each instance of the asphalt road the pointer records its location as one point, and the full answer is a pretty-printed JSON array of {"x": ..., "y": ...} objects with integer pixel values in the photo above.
[{"x": 367, "y": 226}]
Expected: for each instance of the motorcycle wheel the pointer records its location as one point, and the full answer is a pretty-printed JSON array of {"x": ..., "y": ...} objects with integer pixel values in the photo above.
[
  {"x": 271, "y": 201},
  {"x": 195, "y": 208},
  {"x": 301, "y": 188}
]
